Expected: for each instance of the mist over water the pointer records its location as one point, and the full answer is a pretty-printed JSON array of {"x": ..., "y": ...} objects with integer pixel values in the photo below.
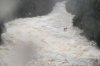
[{"x": 46, "y": 39}]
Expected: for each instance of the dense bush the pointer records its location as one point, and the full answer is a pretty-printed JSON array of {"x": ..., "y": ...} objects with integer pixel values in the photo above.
[{"x": 87, "y": 17}]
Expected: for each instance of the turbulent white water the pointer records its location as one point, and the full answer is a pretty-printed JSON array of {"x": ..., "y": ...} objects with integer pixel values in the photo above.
[{"x": 46, "y": 41}]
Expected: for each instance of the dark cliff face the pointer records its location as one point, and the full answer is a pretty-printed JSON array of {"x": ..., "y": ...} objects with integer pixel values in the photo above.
[
  {"x": 31, "y": 8},
  {"x": 79, "y": 6},
  {"x": 87, "y": 17},
  {"x": 25, "y": 8}
]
